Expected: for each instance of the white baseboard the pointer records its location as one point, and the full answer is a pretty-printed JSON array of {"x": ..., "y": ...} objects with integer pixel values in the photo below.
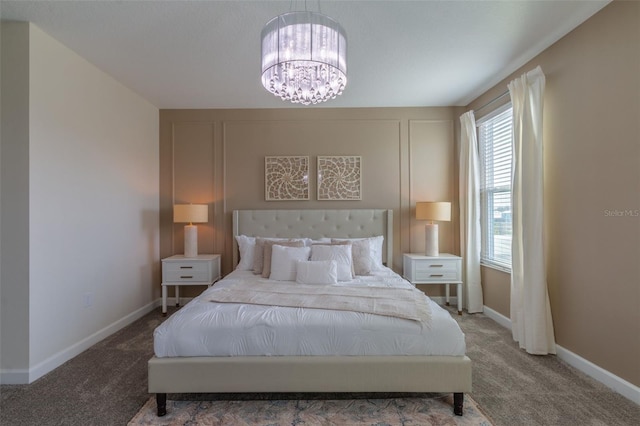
[
  {"x": 497, "y": 317},
  {"x": 618, "y": 384},
  {"x": 14, "y": 377}
]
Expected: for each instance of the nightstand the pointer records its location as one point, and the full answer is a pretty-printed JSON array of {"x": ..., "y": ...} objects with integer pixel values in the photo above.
[
  {"x": 179, "y": 270},
  {"x": 443, "y": 269}
]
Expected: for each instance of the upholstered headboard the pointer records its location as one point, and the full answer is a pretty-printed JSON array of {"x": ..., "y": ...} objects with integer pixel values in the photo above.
[{"x": 315, "y": 224}]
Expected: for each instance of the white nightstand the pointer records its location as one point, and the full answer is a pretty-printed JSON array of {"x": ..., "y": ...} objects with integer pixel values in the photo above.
[
  {"x": 179, "y": 270},
  {"x": 443, "y": 269}
]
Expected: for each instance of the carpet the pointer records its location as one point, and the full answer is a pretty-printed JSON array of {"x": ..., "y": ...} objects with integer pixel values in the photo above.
[{"x": 430, "y": 411}]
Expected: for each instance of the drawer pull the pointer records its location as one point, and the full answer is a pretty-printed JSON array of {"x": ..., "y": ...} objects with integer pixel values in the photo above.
[
  {"x": 186, "y": 276},
  {"x": 186, "y": 267},
  {"x": 436, "y": 266},
  {"x": 436, "y": 275}
]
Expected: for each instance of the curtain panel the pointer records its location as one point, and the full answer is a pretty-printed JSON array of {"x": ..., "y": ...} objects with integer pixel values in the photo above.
[
  {"x": 469, "y": 187},
  {"x": 532, "y": 325}
]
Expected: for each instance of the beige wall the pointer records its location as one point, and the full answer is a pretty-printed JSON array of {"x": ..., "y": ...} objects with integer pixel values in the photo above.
[
  {"x": 592, "y": 169},
  {"x": 83, "y": 166},
  {"x": 496, "y": 287},
  {"x": 217, "y": 157}
]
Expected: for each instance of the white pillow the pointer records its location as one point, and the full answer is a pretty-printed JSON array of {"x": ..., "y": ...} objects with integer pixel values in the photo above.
[
  {"x": 375, "y": 244},
  {"x": 284, "y": 261},
  {"x": 376, "y": 252},
  {"x": 361, "y": 255},
  {"x": 246, "y": 247},
  {"x": 258, "y": 253},
  {"x": 340, "y": 253},
  {"x": 317, "y": 272}
]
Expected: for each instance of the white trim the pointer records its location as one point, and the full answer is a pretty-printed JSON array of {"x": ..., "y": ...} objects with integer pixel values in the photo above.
[
  {"x": 18, "y": 376},
  {"x": 497, "y": 317},
  {"x": 494, "y": 265},
  {"x": 22, "y": 376},
  {"x": 618, "y": 384}
]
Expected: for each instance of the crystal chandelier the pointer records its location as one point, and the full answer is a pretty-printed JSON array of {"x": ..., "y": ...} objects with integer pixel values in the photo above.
[{"x": 304, "y": 57}]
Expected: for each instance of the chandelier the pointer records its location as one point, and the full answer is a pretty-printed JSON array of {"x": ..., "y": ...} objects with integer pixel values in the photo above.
[{"x": 304, "y": 57}]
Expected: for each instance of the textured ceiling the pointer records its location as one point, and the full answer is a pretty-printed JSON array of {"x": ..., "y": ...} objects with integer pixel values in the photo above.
[{"x": 205, "y": 54}]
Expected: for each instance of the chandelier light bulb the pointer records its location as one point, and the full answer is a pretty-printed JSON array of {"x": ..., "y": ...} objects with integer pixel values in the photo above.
[{"x": 304, "y": 57}]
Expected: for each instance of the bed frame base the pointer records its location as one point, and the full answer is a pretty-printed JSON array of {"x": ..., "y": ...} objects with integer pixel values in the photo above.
[{"x": 310, "y": 374}]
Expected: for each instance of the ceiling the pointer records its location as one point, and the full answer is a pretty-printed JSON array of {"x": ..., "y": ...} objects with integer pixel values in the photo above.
[{"x": 206, "y": 54}]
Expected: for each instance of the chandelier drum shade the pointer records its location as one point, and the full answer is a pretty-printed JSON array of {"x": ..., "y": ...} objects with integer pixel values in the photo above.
[{"x": 304, "y": 57}]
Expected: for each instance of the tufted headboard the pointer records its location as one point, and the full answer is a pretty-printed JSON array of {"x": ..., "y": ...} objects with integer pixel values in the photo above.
[{"x": 315, "y": 224}]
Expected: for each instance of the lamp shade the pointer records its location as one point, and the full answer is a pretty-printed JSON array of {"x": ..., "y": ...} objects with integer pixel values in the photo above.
[
  {"x": 433, "y": 210},
  {"x": 190, "y": 213}
]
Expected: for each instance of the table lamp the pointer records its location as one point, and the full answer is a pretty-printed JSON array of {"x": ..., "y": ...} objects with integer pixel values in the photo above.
[
  {"x": 190, "y": 213},
  {"x": 432, "y": 210}
]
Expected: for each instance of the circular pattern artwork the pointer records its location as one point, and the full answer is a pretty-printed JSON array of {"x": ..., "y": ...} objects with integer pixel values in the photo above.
[
  {"x": 339, "y": 177},
  {"x": 286, "y": 178}
]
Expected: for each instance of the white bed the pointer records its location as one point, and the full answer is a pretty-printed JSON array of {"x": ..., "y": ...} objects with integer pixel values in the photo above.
[{"x": 359, "y": 353}]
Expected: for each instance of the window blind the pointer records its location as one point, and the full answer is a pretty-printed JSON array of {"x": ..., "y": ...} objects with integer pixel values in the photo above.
[{"x": 495, "y": 140}]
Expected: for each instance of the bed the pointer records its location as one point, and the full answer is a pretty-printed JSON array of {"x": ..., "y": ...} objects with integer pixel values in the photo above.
[{"x": 285, "y": 370}]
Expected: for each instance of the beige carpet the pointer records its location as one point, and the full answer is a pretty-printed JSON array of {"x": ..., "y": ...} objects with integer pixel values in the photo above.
[{"x": 432, "y": 411}]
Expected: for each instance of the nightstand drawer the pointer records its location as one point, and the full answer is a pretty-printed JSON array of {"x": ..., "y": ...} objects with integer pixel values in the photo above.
[
  {"x": 187, "y": 275},
  {"x": 436, "y": 275},
  {"x": 439, "y": 266},
  {"x": 185, "y": 265},
  {"x": 186, "y": 270}
]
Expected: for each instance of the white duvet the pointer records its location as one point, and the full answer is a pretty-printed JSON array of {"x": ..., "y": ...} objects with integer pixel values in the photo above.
[{"x": 204, "y": 328}]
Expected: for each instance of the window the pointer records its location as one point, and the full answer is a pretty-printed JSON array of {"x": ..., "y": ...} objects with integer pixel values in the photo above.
[{"x": 495, "y": 140}]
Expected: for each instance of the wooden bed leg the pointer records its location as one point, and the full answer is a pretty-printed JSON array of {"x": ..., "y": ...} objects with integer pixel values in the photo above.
[
  {"x": 161, "y": 402},
  {"x": 458, "y": 399}
]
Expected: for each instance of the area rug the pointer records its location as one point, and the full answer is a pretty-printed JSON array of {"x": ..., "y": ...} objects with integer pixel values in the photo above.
[{"x": 432, "y": 411}]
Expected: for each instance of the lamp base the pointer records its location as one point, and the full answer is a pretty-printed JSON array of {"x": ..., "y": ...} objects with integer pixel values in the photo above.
[
  {"x": 431, "y": 239},
  {"x": 190, "y": 241}
]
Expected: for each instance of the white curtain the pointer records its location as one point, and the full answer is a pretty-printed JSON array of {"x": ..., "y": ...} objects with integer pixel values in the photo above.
[
  {"x": 470, "y": 212},
  {"x": 532, "y": 326}
]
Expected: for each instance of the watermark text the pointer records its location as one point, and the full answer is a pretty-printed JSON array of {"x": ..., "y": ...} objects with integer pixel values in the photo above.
[{"x": 622, "y": 213}]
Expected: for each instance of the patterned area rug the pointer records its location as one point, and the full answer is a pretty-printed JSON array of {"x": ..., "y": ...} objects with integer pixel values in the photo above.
[{"x": 431, "y": 411}]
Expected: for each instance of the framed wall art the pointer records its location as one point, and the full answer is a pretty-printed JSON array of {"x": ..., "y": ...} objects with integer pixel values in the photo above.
[
  {"x": 339, "y": 177},
  {"x": 286, "y": 178}
]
